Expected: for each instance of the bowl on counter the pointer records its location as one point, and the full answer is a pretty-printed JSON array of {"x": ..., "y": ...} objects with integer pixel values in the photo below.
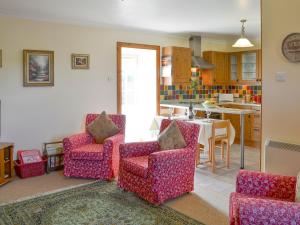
[{"x": 209, "y": 104}]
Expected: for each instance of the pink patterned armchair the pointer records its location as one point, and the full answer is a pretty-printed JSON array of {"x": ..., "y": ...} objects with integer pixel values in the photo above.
[
  {"x": 84, "y": 158},
  {"x": 158, "y": 175},
  {"x": 264, "y": 199}
]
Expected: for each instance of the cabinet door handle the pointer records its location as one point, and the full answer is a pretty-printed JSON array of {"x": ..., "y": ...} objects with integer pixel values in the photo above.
[{"x": 256, "y": 129}]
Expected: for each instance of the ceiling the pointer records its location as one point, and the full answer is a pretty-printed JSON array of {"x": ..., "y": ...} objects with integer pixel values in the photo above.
[{"x": 211, "y": 17}]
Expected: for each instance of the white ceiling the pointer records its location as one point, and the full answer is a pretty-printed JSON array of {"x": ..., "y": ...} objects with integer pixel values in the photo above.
[{"x": 171, "y": 16}]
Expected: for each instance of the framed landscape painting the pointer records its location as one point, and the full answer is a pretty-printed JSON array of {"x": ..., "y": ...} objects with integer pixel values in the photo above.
[
  {"x": 80, "y": 61},
  {"x": 38, "y": 68}
]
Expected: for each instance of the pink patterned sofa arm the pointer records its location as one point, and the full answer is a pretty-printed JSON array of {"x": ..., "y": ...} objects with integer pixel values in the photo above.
[
  {"x": 261, "y": 211},
  {"x": 118, "y": 138},
  {"x": 112, "y": 142},
  {"x": 172, "y": 157},
  {"x": 76, "y": 140},
  {"x": 266, "y": 185},
  {"x": 136, "y": 149},
  {"x": 170, "y": 163}
]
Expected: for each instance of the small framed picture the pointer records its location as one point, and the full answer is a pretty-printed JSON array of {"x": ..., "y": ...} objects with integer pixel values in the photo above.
[
  {"x": 80, "y": 61},
  {"x": 0, "y": 58},
  {"x": 38, "y": 68}
]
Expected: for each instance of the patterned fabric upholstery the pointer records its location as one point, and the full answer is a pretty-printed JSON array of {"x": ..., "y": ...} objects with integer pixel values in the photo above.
[
  {"x": 264, "y": 199},
  {"x": 157, "y": 175},
  {"x": 89, "y": 152},
  {"x": 136, "y": 165},
  {"x": 84, "y": 158}
]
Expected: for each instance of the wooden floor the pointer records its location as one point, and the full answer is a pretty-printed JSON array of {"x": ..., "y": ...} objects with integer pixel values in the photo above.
[{"x": 208, "y": 203}]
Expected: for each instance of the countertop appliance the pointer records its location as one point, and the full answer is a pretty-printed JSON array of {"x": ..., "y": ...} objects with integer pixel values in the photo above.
[{"x": 226, "y": 98}]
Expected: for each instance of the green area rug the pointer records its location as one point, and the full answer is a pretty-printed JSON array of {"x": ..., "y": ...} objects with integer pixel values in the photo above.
[{"x": 98, "y": 203}]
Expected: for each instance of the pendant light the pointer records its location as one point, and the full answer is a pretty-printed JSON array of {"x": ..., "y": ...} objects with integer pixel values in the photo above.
[{"x": 242, "y": 42}]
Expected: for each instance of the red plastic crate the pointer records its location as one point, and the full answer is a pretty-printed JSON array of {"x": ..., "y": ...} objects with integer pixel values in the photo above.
[{"x": 30, "y": 169}]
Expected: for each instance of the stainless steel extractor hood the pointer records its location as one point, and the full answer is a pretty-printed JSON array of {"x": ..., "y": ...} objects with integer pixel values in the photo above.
[{"x": 197, "y": 60}]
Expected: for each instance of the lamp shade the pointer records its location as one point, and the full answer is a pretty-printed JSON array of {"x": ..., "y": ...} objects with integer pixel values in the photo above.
[{"x": 242, "y": 43}]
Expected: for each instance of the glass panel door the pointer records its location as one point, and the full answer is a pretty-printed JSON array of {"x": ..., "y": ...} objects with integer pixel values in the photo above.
[
  {"x": 249, "y": 66},
  {"x": 139, "y": 92},
  {"x": 233, "y": 67}
]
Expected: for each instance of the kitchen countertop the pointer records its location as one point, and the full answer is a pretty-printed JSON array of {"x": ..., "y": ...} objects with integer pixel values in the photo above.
[
  {"x": 218, "y": 109},
  {"x": 240, "y": 103}
]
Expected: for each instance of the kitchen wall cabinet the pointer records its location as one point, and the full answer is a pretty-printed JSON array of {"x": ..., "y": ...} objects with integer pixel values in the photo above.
[
  {"x": 232, "y": 68},
  {"x": 218, "y": 75},
  {"x": 176, "y": 65},
  {"x": 245, "y": 67}
]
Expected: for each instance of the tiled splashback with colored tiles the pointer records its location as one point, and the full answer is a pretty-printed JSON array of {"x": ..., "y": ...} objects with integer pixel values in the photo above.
[{"x": 180, "y": 92}]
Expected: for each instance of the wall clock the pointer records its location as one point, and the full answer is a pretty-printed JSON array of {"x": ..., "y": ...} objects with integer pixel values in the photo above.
[{"x": 291, "y": 47}]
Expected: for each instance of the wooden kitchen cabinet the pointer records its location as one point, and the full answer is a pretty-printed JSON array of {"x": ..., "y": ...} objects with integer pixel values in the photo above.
[
  {"x": 252, "y": 135},
  {"x": 245, "y": 67},
  {"x": 234, "y": 65},
  {"x": 176, "y": 65},
  {"x": 218, "y": 75}
]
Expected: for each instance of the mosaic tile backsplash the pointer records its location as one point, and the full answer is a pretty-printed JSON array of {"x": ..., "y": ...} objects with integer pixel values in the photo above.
[{"x": 195, "y": 92}]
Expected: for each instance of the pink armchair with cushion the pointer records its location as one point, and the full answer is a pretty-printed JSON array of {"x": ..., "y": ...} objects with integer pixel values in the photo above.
[
  {"x": 84, "y": 158},
  {"x": 264, "y": 199},
  {"x": 157, "y": 175}
]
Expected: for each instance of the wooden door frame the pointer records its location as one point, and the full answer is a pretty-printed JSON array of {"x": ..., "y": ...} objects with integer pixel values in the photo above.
[{"x": 121, "y": 45}]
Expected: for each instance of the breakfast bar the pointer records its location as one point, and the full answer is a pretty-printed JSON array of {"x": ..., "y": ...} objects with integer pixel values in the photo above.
[{"x": 221, "y": 110}]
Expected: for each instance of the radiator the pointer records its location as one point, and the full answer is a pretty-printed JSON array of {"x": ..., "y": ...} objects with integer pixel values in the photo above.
[{"x": 282, "y": 158}]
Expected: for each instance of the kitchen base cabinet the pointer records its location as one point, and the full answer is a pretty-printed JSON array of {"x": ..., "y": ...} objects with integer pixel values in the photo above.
[{"x": 252, "y": 126}]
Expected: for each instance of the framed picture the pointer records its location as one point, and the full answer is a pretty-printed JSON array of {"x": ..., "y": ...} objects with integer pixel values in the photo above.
[
  {"x": 38, "y": 68},
  {"x": 0, "y": 58},
  {"x": 80, "y": 61}
]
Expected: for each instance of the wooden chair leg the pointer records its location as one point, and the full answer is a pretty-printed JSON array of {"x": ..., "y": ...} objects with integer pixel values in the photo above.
[
  {"x": 222, "y": 149},
  {"x": 210, "y": 150},
  {"x": 213, "y": 157},
  {"x": 197, "y": 156},
  {"x": 228, "y": 154}
]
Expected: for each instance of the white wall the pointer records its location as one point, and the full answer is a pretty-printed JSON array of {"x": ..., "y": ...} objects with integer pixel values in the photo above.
[
  {"x": 33, "y": 115},
  {"x": 281, "y": 108}
]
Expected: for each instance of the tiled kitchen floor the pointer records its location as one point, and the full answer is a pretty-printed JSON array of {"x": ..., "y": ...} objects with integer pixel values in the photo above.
[
  {"x": 222, "y": 182},
  {"x": 210, "y": 201}
]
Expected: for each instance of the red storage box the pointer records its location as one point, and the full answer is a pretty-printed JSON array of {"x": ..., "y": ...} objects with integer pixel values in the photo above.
[{"x": 30, "y": 169}]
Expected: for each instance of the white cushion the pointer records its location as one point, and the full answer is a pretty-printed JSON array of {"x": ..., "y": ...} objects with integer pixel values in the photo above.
[{"x": 298, "y": 188}]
